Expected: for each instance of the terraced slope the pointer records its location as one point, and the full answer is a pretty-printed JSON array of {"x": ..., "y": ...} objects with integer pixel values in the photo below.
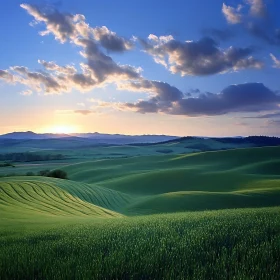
[{"x": 45, "y": 196}]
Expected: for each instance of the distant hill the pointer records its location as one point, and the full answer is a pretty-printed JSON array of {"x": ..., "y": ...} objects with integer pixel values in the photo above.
[
  {"x": 32, "y": 135},
  {"x": 205, "y": 143},
  {"x": 95, "y": 137}
]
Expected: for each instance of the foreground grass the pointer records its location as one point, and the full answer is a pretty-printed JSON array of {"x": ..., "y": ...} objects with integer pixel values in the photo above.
[{"x": 224, "y": 244}]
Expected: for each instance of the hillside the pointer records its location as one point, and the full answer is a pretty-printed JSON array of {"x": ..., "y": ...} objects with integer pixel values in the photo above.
[
  {"x": 144, "y": 218},
  {"x": 210, "y": 180},
  {"x": 159, "y": 184},
  {"x": 20, "y": 197}
]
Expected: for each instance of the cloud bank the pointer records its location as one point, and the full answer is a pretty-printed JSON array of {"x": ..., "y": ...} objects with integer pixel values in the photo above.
[
  {"x": 248, "y": 97},
  {"x": 198, "y": 58}
]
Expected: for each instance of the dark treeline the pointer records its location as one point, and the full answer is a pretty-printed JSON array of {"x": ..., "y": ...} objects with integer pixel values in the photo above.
[
  {"x": 26, "y": 157},
  {"x": 259, "y": 141},
  {"x": 57, "y": 173}
]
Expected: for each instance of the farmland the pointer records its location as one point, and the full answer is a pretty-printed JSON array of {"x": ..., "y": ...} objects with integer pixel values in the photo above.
[{"x": 198, "y": 215}]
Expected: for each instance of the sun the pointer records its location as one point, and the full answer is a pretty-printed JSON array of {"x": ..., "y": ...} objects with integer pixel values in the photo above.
[{"x": 62, "y": 129}]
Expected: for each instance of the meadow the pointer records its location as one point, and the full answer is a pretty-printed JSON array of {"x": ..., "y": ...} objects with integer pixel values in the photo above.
[{"x": 199, "y": 215}]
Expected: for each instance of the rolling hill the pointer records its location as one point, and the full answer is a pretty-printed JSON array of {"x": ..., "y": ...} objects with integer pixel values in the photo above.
[
  {"x": 241, "y": 178},
  {"x": 144, "y": 218}
]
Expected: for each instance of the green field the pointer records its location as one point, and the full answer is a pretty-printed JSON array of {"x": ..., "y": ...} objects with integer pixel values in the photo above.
[{"x": 207, "y": 215}]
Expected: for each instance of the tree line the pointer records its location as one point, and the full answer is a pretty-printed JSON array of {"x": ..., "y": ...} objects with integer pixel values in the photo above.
[{"x": 27, "y": 157}]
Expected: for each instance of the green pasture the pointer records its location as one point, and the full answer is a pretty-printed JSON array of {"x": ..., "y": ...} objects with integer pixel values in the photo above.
[{"x": 145, "y": 217}]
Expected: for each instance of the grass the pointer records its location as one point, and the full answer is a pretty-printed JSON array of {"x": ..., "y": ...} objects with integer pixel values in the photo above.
[
  {"x": 225, "y": 244},
  {"x": 29, "y": 197},
  {"x": 146, "y": 218},
  {"x": 201, "y": 181}
]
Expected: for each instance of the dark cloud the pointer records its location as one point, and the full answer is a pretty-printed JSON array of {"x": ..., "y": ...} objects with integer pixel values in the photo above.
[
  {"x": 257, "y": 22},
  {"x": 263, "y": 32},
  {"x": 61, "y": 25},
  {"x": 159, "y": 90},
  {"x": 193, "y": 91},
  {"x": 249, "y": 97},
  {"x": 143, "y": 106},
  {"x": 203, "y": 57},
  {"x": 110, "y": 40},
  {"x": 218, "y": 34},
  {"x": 265, "y": 116},
  {"x": 102, "y": 66},
  {"x": 6, "y": 76}
]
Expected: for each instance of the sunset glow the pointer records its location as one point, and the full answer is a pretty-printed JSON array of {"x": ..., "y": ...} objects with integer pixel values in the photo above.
[{"x": 62, "y": 129}]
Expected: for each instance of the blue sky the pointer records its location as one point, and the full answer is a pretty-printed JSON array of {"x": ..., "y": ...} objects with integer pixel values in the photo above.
[{"x": 191, "y": 67}]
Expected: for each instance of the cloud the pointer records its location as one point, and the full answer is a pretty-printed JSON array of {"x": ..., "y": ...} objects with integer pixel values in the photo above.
[
  {"x": 99, "y": 68},
  {"x": 241, "y": 124},
  {"x": 39, "y": 81},
  {"x": 249, "y": 97},
  {"x": 218, "y": 34},
  {"x": 55, "y": 80},
  {"x": 256, "y": 22},
  {"x": 83, "y": 112},
  {"x": 198, "y": 58},
  {"x": 26, "y": 92},
  {"x": 6, "y": 76},
  {"x": 69, "y": 27},
  {"x": 62, "y": 26},
  {"x": 276, "y": 62},
  {"x": 273, "y": 122},
  {"x": 71, "y": 112},
  {"x": 232, "y": 14},
  {"x": 52, "y": 66},
  {"x": 265, "y": 116},
  {"x": 159, "y": 90},
  {"x": 257, "y": 8},
  {"x": 266, "y": 34},
  {"x": 81, "y": 104},
  {"x": 111, "y": 41},
  {"x": 102, "y": 67}
]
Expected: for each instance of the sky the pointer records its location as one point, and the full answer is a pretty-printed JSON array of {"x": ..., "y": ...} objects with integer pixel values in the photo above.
[{"x": 195, "y": 67}]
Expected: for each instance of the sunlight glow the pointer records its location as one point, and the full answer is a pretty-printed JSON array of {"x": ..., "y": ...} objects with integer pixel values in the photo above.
[{"x": 62, "y": 129}]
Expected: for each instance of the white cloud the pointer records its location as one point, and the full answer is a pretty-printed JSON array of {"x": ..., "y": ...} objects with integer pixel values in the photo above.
[
  {"x": 276, "y": 62},
  {"x": 232, "y": 14},
  {"x": 26, "y": 92}
]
